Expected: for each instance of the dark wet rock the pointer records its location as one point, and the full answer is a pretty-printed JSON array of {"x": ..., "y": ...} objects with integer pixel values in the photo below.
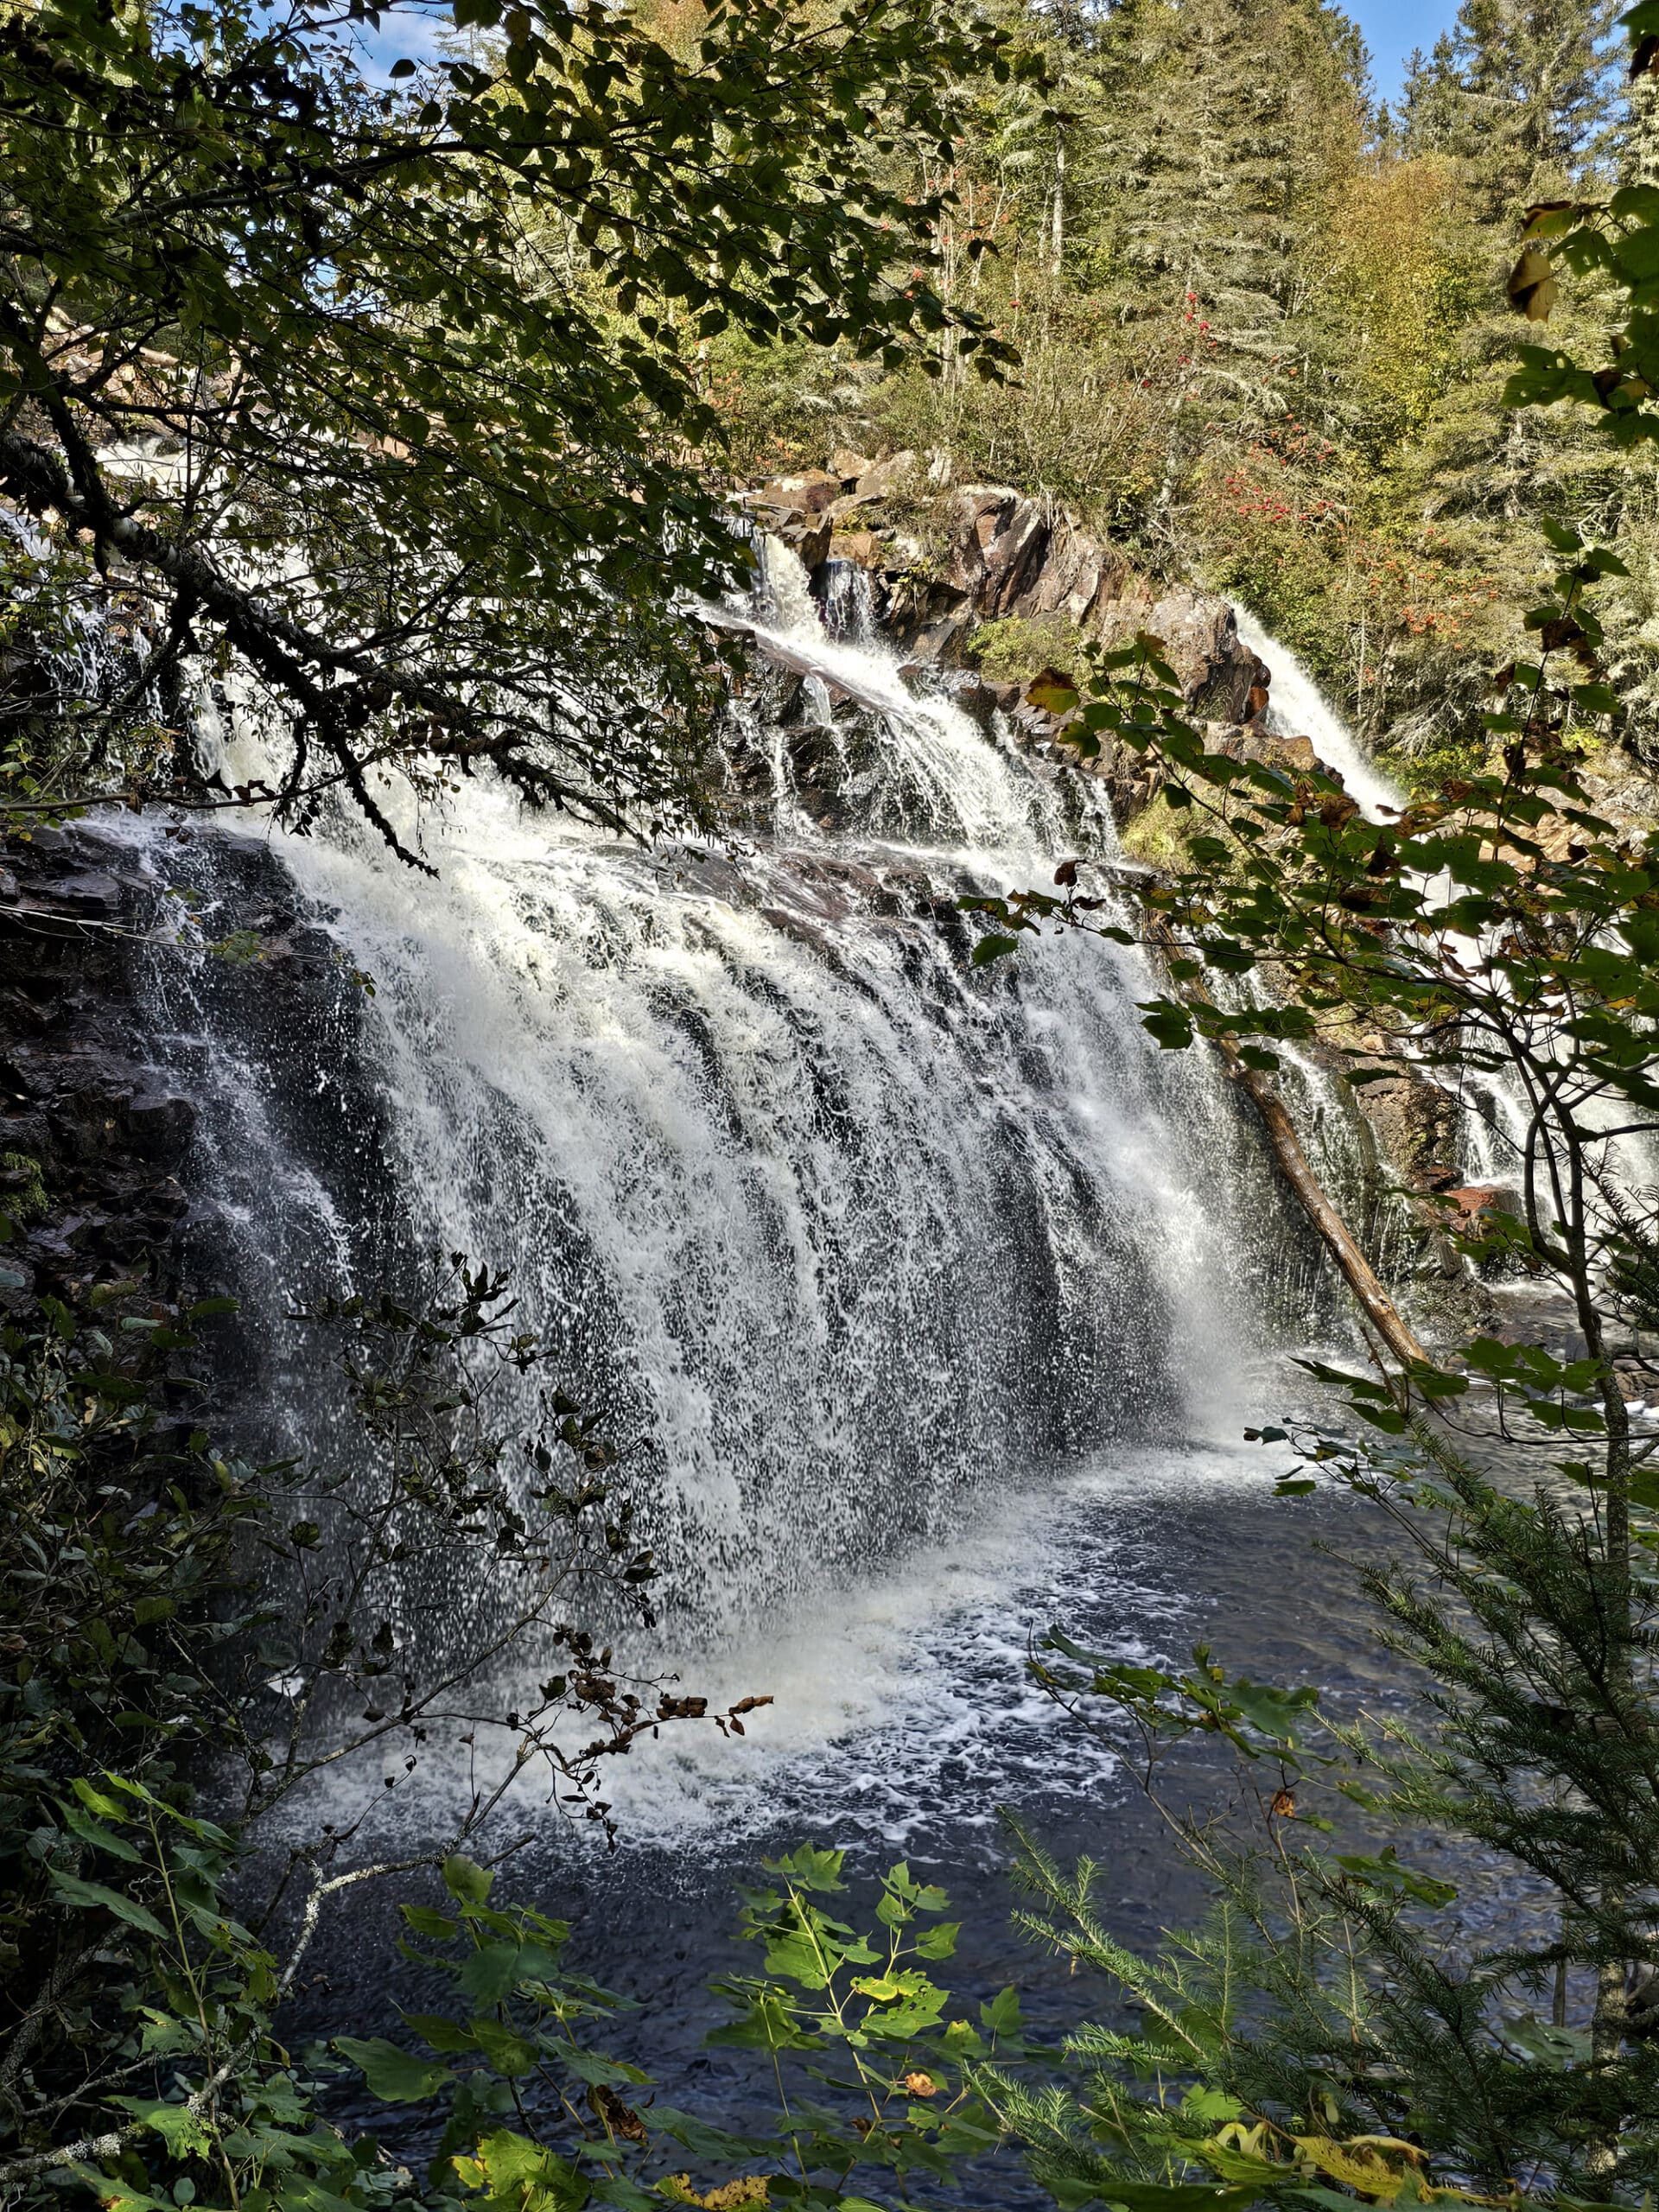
[
  {"x": 81, "y": 1101},
  {"x": 982, "y": 699},
  {"x": 86, "y": 893},
  {"x": 160, "y": 1127},
  {"x": 1416, "y": 1124}
]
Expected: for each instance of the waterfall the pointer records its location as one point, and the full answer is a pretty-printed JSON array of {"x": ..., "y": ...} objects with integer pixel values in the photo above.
[
  {"x": 1494, "y": 1133},
  {"x": 1297, "y": 708},
  {"x": 849, "y": 1239}
]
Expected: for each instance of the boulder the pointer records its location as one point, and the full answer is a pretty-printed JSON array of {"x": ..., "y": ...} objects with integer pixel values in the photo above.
[
  {"x": 980, "y": 700},
  {"x": 849, "y": 504},
  {"x": 1013, "y": 557},
  {"x": 1200, "y": 641},
  {"x": 886, "y": 476},
  {"x": 998, "y": 542},
  {"x": 87, "y": 892},
  {"x": 860, "y": 545},
  {"x": 1008, "y": 555},
  {"x": 160, "y": 1126},
  {"x": 1249, "y": 741},
  {"x": 1415, "y": 1123},
  {"x": 807, "y": 534},
  {"x": 810, "y": 492},
  {"x": 848, "y": 466},
  {"x": 937, "y": 641},
  {"x": 1472, "y": 1199}
]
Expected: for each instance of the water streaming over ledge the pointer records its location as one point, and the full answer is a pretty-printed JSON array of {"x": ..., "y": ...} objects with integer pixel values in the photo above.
[
  {"x": 1298, "y": 708},
  {"x": 858, "y": 1245}
]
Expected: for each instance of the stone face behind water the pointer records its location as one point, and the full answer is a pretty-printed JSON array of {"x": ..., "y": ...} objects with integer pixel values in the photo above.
[
  {"x": 83, "y": 1108},
  {"x": 1002, "y": 555}
]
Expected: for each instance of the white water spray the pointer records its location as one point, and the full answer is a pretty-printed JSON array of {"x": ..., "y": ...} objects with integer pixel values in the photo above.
[{"x": 854, "y": 1242}]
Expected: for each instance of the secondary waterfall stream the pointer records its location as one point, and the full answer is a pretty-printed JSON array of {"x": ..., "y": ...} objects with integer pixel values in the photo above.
[{"x": 867, "y": 1255}]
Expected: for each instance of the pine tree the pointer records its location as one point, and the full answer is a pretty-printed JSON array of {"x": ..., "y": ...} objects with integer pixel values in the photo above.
[
  {"x": 1220, "y": 129},
  {"x": 1522, "y": 90},
  {"x": 1433, "y": 103}
]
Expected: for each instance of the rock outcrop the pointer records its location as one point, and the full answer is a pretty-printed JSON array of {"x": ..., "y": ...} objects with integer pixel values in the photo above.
[
  {"x": 92, "y": 1131},
  {"x": 1011, "y": 557},
  {"x": 943, "y": 563},
  {"x": 987, "y": 553}
]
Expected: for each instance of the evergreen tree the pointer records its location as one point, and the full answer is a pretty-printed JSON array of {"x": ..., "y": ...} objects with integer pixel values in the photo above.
[
  {"x": 1432, "y": 102},
  {"x": 1522, "y": 90},
  {"x": 1220, "y": 130}
]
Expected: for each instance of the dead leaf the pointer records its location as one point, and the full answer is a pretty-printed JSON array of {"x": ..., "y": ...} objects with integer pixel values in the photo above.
[
  {"x": 1532, "y": 286},
  {"x": 620, "y": 2119}
]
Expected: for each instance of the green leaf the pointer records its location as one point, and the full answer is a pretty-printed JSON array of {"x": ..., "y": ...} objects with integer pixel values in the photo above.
[
  {"x": 184, "y": 2135},
  {"x": 427, "y": 1920},
  {"x": 93, "y": 1895},
  {"x": 104, "y": 1838},
  {"x": 1172, "y": 2196},
  {"x": 505, "y": 2052},
  {"x": 392, "y": 2075},
  {"x": 490, "y": 1971},
  {"x": 994, "y": 947},
  {"x": 1385, "y": 1872},
  {"x": 465, "y": 1878},
  {"x": 1053, "y": 692}
]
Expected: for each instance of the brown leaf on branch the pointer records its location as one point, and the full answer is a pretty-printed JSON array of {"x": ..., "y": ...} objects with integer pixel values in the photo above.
[{"x": 1532, "y": 288}]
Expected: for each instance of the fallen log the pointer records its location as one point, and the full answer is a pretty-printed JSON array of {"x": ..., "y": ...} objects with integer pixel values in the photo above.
[
  {"x": 1333, "y": 1231},
  {"x": 1338, "y": 1239}
]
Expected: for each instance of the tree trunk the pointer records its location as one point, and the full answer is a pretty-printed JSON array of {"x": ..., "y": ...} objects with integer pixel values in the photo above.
[{"x": 1357, "y": 1273}]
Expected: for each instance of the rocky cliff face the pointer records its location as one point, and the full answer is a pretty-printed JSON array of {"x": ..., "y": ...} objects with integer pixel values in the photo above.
[
  {"x": 946, "y": 562},
  {"x": 92, "y": 1130}
]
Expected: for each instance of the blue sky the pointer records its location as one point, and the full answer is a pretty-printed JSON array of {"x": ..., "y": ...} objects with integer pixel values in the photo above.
[{"x": 1392, "y": 28}]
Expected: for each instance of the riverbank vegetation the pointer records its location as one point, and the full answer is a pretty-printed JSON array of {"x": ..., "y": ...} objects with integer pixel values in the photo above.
[{"x": 388, "y": 394}]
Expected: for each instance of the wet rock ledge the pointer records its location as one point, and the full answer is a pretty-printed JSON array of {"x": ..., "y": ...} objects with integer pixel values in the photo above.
[{"x": 92, "y": 1132}]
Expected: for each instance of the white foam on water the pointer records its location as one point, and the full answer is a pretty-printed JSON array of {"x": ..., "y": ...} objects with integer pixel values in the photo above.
[{"x": 903, "y": 1713}]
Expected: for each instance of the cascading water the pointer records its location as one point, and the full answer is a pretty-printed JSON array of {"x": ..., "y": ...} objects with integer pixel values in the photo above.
[
  {"x": 1495, "y": 1132},
  {"x": 1298, "y": 708},
  {"x": 851, "y": 1239}
]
